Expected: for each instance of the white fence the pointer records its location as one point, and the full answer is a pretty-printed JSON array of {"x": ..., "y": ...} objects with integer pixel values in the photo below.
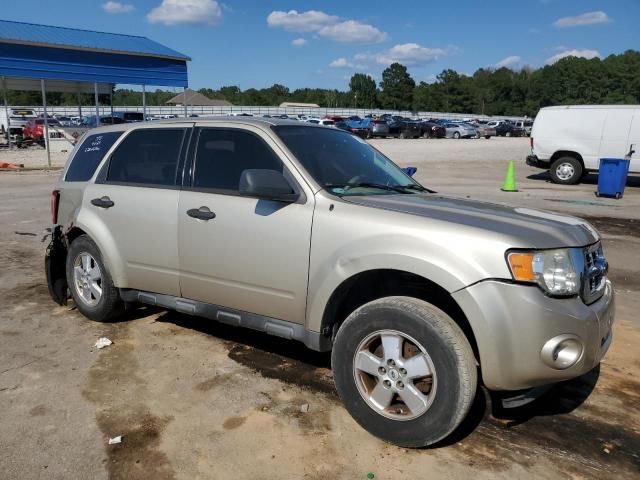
[{"x": 293, "y": 111}]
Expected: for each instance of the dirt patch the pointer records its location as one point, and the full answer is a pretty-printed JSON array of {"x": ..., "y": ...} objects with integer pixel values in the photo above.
[
  {"x": 118, "y": 392},
  {"x": 138, "y": 456},
  {"x": 213, "y": 382},
  {"x": 9, "y": 333},
  {"x": 233, "y": 423},
  {"x": 552, "y": 428},
  {"x": 624, "y": 279},
  {"x": 34, "y": 292},
  {"x": 292, "y": 371},
  {"x": 616, "y": 226},
  {"x": 39, "y": 411}
]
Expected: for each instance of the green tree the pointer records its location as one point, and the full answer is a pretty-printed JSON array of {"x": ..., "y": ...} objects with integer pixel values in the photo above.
[
  {"x": 397, "y": 87},
  {"x": 363, "y": 89}
]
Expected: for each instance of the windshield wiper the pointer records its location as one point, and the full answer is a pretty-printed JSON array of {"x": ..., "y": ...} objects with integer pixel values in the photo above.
[
  {"x": 381, "y": 186},
  {"x": 415, "y": 186}
]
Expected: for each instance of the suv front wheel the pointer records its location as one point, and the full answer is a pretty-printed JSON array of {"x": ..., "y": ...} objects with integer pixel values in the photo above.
[
  {"x": 90, "y": 282},
  {"x": 404, "y": 370}
]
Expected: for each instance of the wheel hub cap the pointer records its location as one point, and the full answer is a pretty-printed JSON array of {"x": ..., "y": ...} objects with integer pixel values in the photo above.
[
  {"x": 87, "y": 279},
  {"x": 565, "y": 171},
  {"x": 394, "y": 375}
]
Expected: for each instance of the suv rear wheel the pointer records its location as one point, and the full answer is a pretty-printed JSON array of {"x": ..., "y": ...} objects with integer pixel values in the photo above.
[
  {"x": 404, "y": 370},
  {"x": 90, "y": 282},
  {"x": 566, "y": 170}
]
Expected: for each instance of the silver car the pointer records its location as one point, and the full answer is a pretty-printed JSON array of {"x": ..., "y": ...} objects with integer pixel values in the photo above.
[
  {"x": 460, "y": 130},
  {"x": 311, "y": 234}
]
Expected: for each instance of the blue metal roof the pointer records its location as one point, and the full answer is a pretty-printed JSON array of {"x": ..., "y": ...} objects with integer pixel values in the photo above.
[
  {"x": 53, "y": 53},
  {"x": 76, "y": 39}
]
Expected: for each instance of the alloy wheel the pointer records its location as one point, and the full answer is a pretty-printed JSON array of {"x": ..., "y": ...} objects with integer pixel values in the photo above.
[
  {"x": 87, "y": 279},
  {"x": 394, "y": 375}
]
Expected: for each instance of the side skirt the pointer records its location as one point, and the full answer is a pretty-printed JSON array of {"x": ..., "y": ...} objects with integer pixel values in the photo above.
[{"x": 237, "y": 318}]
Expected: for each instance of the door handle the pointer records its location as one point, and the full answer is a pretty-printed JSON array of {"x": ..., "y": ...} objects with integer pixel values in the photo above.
[
  {"x": 202, "y": 213},
  {"x": 104, "y": 202}
]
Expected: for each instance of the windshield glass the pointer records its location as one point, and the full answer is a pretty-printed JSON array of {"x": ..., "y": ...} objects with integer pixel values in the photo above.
[{"x": 344, "y": 164}]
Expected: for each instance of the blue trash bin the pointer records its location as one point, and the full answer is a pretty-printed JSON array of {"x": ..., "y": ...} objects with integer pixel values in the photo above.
[{"x": 612, "y": 177}]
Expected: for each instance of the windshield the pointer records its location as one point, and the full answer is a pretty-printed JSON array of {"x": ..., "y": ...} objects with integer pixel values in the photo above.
[{"x": 344, "y": 164}]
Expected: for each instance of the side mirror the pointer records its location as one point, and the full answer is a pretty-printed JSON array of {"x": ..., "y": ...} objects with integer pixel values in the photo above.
[
  {"x": 266, "y": 184},
  {"x": 411, "y": 171}
]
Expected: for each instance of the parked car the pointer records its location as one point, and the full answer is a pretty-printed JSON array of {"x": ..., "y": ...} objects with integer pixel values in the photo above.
[
  {"x": 525, "y": 125},
  {"x": 64, "y": 120},
  {"x": 429, "y": 129},
  {"x": 90, "y": 121},
  {"x": 378, "y": 128},
  {"x": 507, "y": 129},
  {"x": 569, "y": 141},
  {"x": 459, "y": 130},
  {"x": 404, "y": 129},
  {"x": 34, "y": 128},
  {"x": 484, "y": 130},
  {"x": 16, "y": 121},
  {"x": 321, "y": 121},
  {"x": 130, "y": 117},
  {"x": 418, "y": 296}
]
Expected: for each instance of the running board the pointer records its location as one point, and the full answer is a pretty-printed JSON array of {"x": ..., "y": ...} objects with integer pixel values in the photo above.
[{"x": 236, "y": 318}]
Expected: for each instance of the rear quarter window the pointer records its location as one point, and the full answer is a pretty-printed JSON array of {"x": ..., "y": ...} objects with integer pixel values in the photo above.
[{"x": 89, "y": 156}]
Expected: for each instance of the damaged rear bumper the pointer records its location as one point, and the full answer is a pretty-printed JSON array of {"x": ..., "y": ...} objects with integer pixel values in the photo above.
[{"x": 55, "y": 261}]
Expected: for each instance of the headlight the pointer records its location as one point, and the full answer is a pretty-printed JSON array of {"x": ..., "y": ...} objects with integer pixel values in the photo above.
[{"x": 557, "y": 272}]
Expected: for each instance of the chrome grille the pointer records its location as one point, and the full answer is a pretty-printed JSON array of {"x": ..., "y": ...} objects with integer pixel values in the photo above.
[{"x": 595, "y": 273}]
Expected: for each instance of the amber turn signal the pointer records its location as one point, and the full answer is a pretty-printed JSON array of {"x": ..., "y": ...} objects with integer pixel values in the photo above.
[{"x": 521, "y": 265}]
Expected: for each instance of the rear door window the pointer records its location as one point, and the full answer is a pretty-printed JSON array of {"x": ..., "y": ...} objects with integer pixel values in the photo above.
[
  {"x": 147, "y": 157},
  {"x": 223, "y": 154},
  {"x": 89, "y": 156}
]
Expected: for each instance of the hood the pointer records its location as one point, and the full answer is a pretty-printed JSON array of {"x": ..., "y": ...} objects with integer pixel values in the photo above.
[{"x": 525, "y": 227}]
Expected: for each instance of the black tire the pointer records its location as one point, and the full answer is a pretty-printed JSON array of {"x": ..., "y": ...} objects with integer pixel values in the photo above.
[
  {"x": 456, "y": 135},
  {"x": 451, "y": 356},
  {"x": 570, "y": 164},
  {"x": 487, "y": 137},
  {"x": 110, "y": 305}
]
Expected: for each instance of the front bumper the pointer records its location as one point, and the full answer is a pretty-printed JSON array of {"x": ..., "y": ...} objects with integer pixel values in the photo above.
[
  {"x": 512, "y": 323},
  {"x": 534, "y": 161}
]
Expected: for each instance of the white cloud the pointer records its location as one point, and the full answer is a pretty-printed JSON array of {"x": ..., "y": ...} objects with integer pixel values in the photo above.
[
  {"x": 292, "y": 21},
  {"x": 327, "y": 26},
  {"x": 344, "y": 63},
  {"x": 409, "y": 54},
  {"x": 584, "y": 53},
  {"x": 589, "y": 18},
  {"x": 509, "y": 62},
  {"x": 352, "y": 31},
  {"x": 340, "y": 63},
  {"x": 194, "y": 12},
  {"x": 117, "y": 7},
  {"x": 299, "y": 42}
]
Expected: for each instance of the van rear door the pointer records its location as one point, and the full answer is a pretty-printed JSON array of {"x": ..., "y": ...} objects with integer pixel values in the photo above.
[{"x": 615, "y": 134}]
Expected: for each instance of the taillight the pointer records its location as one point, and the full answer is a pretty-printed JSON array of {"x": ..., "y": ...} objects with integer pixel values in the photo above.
[{"x": 55, "y": 200}]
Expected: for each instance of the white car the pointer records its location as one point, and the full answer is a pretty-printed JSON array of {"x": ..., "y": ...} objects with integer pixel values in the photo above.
[
  {"x": 571, "y": 140},
  {"x": 321, "y": 121}
]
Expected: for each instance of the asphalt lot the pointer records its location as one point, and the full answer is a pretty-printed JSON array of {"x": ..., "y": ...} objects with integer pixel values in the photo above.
[{"x": 195, "y": 399}]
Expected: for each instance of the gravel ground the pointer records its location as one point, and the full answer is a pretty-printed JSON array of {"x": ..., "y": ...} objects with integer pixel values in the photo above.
[{"x": 196, "y": 399}]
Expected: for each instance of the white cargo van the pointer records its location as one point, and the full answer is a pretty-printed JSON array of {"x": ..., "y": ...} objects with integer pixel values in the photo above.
[{"x": 569, "y": 141}]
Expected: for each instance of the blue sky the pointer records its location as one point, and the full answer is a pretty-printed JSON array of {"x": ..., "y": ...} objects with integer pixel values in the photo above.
[{"x": 256, "y": 43}]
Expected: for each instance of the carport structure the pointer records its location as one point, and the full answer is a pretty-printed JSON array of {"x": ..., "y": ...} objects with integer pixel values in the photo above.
[{"x": 41, "y": 57}]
